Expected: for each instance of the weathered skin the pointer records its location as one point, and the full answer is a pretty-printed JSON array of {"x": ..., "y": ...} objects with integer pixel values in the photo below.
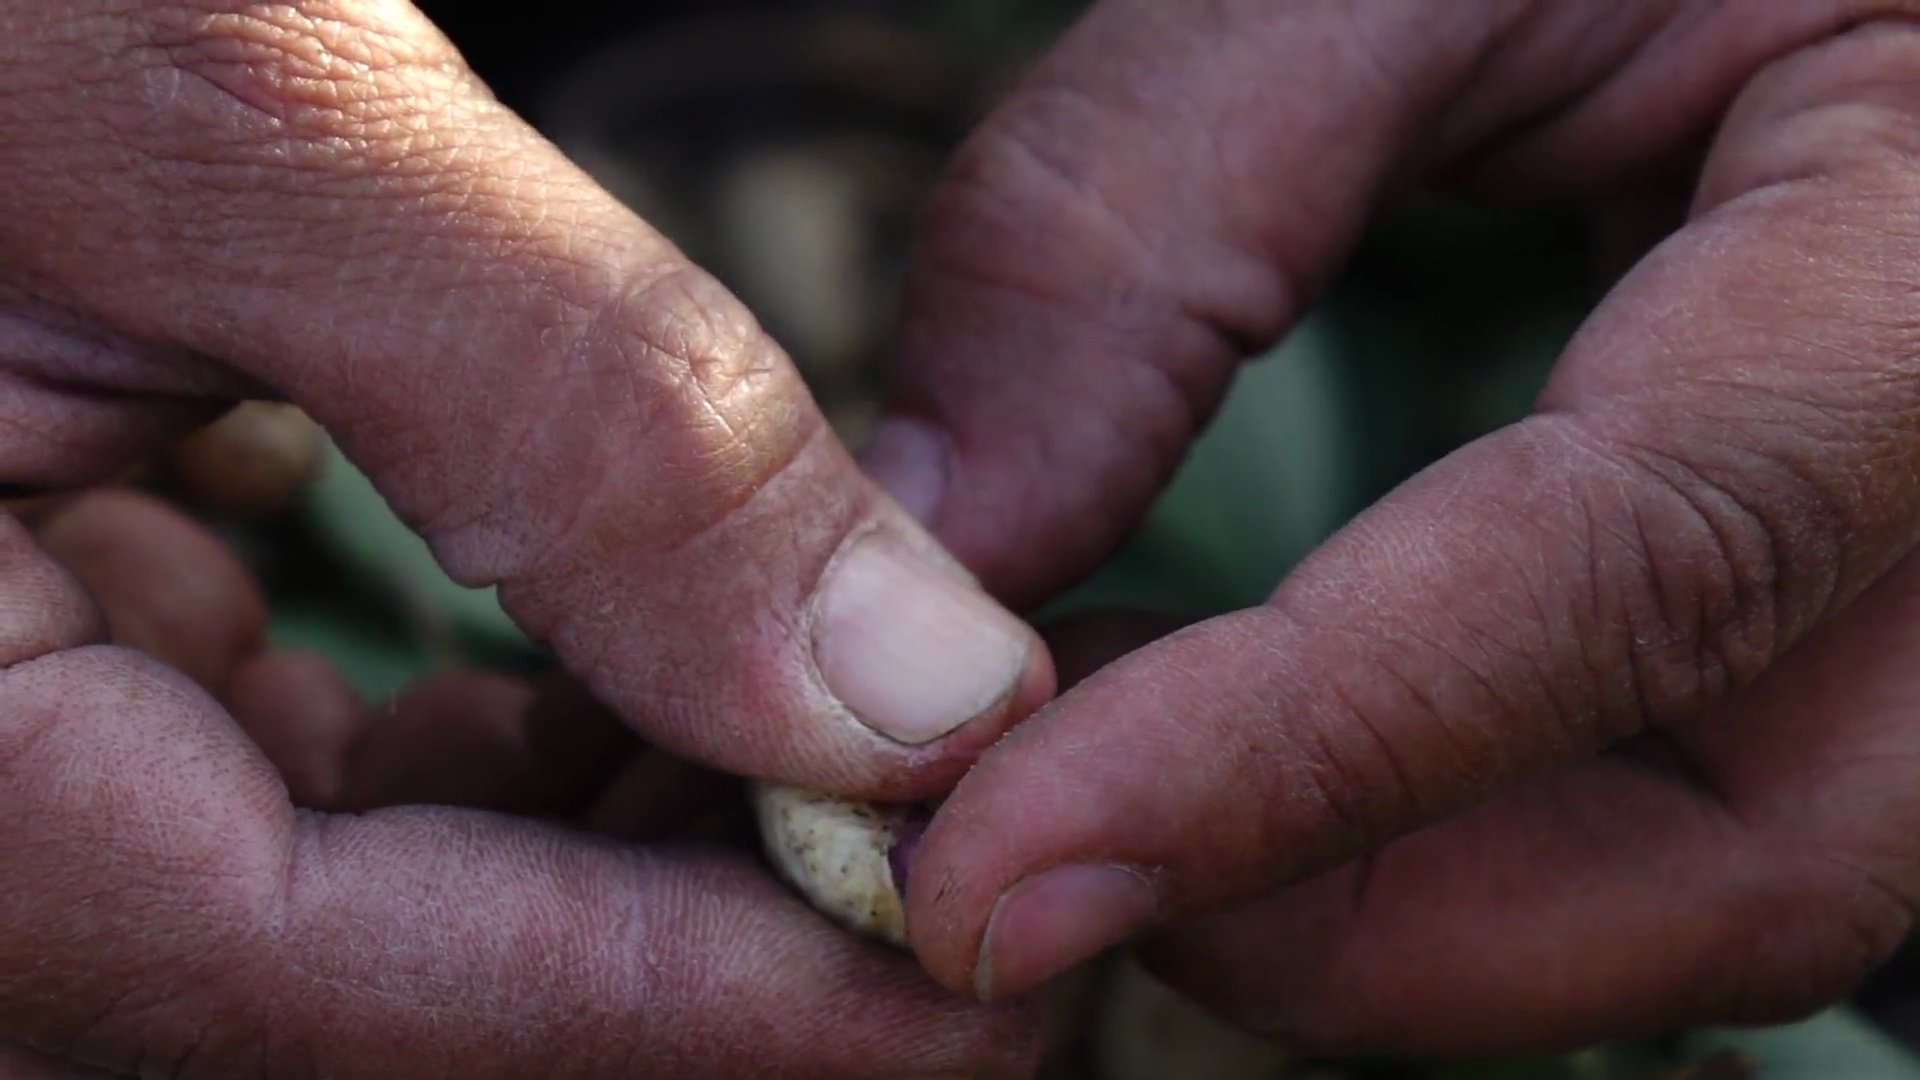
[{"x": 316, "y": 202}]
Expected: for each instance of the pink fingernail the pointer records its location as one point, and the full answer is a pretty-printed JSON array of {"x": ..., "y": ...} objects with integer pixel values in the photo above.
[
  {"x": 914, "y": 651},
  {"x": 909, "y": 459},
  {"x": 1055, "y": 920}
]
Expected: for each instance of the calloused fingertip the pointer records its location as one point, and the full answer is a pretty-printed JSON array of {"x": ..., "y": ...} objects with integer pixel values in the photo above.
[
  {"x": 912, "y": 461},
  {"x": 1054, "y": 920}
]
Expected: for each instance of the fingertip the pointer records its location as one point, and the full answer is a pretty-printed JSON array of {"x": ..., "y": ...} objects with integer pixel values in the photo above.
[
  {"x": 1057, "y": 919},
  {"x": 911, "y": 460},
  {"x": 304, "y": 716},
  {"x": 253, "y": 462},
  {"x": 168, "y": 586}
]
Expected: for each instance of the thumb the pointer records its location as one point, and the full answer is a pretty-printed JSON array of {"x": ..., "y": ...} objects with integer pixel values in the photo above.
[{"x": 323, "y": 200}]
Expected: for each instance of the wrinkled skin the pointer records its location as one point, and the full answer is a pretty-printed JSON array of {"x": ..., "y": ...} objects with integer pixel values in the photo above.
[
  {"x": 1597, "y": 727},
  {"x": 1601, "y": 726},
  {"x": 209, "y": 201}
]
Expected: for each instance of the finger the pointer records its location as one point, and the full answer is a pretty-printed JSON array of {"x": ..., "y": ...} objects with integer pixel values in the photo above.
[
  {"x": 32, "y": 505},
  {"x": 43, "y": 607},
  {"x": 538, "y": 381},
  {"x": 168, "y": 586},
  {"x": 82, "y": 402},
  {"x": 1717, "y": 468},
  {"x": 253, "y": 462},
  {"x": 305, "y": 717},
  {"x": 1754, "y": 878},
  {"x": 468, "y": 739},
  {"x": 1170, "y": 189},
  {"x": 165, "y": 909},
  {"x": 486, "y": 741}
]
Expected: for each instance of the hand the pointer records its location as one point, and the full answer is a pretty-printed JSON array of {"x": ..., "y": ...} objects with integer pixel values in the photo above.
[
  {"x": 213, "y": 201},
  {"x": 1375, "y": 812}
]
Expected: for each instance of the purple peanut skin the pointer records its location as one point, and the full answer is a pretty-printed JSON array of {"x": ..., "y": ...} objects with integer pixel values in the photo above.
[{"x": 900, "y": 855}]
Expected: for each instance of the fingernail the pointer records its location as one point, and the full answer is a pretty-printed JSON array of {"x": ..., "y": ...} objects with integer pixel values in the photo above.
[
  {"x": 1055, "y": 920},
  {"x": 909, "y": 460},
  {"x": 912, "y": 650}
]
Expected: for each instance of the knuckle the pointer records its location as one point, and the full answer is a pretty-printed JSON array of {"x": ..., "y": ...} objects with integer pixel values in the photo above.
[
  {"x": 1039, "y": 153},
  {"x": 1038, "y": 164},
  {"x": 1354, "y": 773},
  {"x": 659, "y": 416},
  {"x": 680, "y": 368},
  {"x": 1185, "y": 302},
  {"x": 1425, "y": 708},
  {"x": 1399, "y": 729},
  {"x": 1699, "y": 576},
  {"x": 705, "y": 346},
  {"x": 1839, "y": 100}
]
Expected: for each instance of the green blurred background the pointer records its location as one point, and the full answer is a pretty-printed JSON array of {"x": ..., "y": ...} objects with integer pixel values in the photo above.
[{"x": 786, "y": 146}]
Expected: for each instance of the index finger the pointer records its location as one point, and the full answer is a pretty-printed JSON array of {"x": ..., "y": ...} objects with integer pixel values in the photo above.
[
  {"x": 1722, "y": 460},
  {"x": 319, "y": 199}
]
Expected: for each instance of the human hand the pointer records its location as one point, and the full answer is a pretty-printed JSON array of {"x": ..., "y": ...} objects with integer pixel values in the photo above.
[
  {"x": 214, "y": 201},
  {"x": 1374, "y": 812}
]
